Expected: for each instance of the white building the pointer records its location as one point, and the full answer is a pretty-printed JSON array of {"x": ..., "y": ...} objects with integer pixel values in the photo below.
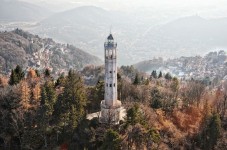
[{"x": 110, "y": 106}]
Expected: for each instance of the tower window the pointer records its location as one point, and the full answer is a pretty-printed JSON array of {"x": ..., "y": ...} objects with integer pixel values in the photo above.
[
  {"x": 114, "y": 84},
  {"x": 110, "y": 85},
  {"x": 106, "y": 84},
  {"x": 110, "y": 71}
]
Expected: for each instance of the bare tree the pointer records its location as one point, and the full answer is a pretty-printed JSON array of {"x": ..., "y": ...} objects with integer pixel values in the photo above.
[{"x": 194, "y": 92}]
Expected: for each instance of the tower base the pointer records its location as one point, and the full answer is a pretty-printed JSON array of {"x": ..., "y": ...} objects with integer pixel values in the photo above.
[{"x": 110, "y": 115}]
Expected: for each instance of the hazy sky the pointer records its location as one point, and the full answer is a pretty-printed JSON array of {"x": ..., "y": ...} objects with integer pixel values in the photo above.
[
  {"x": 119, "y": 4},
  {"x": 205, "y": 8}
]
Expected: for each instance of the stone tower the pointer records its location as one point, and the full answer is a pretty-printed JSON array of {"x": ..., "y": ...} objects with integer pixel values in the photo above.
[{"x": 110, "y": 106}]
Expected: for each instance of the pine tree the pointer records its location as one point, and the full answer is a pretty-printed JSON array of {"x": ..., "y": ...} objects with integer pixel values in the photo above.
[
  {"x": 133, "y": 115},
  {"x": 211, "y": 132},
  {"x": 175, "y": 86},
  {"x": 73, "y": 100},
  {"x": 13, "y": 78},
  {"x": 168, "y": 76},
  {"x": 96, "y": 95},
  {"x": 112, "y": 141},
  {"x": 214, "y": 130},
  {"x": 160, "y": 75},
  {"x": 136, "y": 81},
  {"x": 47, "y": 73},
  {"x": 156, "y": 98},
  {"x": 48, "y": 98},
  {"x": 154, "y": 74},
  {"x": 16, "y": 75},
  {"x": 60, "y": 81},
  {"x": 20, "y": 74}
]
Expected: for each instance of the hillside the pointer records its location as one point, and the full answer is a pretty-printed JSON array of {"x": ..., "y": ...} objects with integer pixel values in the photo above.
[
  {"x": 13, "y": 10},
  {"x": 212, "y": 65},
  {"x": 88, "y": 27},
  {"x": 139, "y": 39},
  {"x": 192, "y": 35},
  {"x": 28, "y": 50},
  {"x": 164, "y": 114}
]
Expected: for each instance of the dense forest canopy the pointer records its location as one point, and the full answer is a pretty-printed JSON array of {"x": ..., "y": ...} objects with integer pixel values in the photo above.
[{"x": 162, "y": 112}]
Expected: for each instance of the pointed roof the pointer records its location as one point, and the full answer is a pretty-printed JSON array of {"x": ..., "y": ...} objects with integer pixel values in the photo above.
[{"x": 110, "y": 37}]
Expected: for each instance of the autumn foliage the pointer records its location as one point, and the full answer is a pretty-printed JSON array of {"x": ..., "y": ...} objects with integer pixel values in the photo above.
[{"x": 40, "y": 112}]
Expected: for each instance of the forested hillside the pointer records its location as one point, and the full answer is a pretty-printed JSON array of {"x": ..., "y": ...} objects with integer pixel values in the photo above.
[
  {"x": 38, "y": 112},
  {"x": 212, "y": 66},
  {"x": 28, "y": 50}
]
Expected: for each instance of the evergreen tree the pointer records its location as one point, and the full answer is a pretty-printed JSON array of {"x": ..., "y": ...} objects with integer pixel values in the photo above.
[
  {"x": 16, "y": 75},
  {"x": 48, "y": 99},
  {"x": 136, "y": 81},
  {"x": 47, "y": 73},
  {"x": 13, "y": 78},
  {"x": 60, "y": 80},
  {"x": 96, "y": 94},
  {"x": 210, "y": 133},
  {"x": 168, "y": 76},
  {"x": 133, "y": 115},
  {"x": 112, "y": 141},
  {"x": 71, "y": 103},
  {"x": 100, "y": 90},
  {"x": 160, "y": 75},
  {"x": 214, "y": 130},
  {"x": 156, "y": 98},
  {"x": 154, "y": 74},
  {"x": 175, "y": 87},
  {"x": 20, "y": 74}
]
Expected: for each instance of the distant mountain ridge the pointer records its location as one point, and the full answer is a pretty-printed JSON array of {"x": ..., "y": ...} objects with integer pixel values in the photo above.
[
  {"x": 192, "y": 35},
  {"x": 88, "y": 26},
  {"x": 28, "y": 50},
  {"x": 14, "y": 10}
]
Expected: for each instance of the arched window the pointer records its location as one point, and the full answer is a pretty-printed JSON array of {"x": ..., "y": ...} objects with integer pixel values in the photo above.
[
  {"x": 111, "y": 53},
  {"x": 106, "y": 53}
]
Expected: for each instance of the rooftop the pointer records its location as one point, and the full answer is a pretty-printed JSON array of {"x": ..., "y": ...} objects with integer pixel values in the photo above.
[{"x": 110, "y": 37}]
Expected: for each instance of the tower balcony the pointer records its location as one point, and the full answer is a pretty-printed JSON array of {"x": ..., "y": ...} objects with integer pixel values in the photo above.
[
  {"x": 111, "y": 57},
  {"x": 109, "y": 45}
]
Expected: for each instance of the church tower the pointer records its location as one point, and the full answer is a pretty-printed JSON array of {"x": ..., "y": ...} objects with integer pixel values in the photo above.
[{"x": 110, "y": 106}]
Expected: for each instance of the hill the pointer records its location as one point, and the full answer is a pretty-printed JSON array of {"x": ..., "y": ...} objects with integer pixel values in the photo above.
[
  {"x": 87, "y": 27},
  {"x": 192, "y": 35},
  {"x": 212, "y": 66},
  {"x": 28, "y": 50},
  {"x": 13, "y": 10}
]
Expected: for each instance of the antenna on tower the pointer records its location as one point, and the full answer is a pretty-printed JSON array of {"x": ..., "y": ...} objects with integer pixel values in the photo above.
[{"x": 110, "y": 29}]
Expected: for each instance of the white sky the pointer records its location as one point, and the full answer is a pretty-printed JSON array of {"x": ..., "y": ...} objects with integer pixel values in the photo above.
[
  {"x": 206, "y": 8},
  {"x": 138, "y": 3}
]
